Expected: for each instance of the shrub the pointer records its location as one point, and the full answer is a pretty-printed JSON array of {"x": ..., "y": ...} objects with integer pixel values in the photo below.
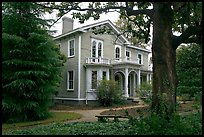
[
  {"x": 109, "y": 93},
  {"x": 144, "y": 90}
]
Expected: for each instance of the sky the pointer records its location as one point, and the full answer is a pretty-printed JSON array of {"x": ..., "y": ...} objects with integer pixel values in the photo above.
[{"x": 112, "y": 16}]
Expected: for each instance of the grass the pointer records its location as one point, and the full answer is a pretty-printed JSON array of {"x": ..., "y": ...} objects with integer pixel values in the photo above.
[{"x": 56, "y": 117}]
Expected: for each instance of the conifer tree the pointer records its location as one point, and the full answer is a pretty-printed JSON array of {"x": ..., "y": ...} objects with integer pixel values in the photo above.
[{"x": 31, "y": 63}]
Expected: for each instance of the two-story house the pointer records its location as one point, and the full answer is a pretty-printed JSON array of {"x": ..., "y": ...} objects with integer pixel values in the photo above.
[{"x": 92, "y": 58}]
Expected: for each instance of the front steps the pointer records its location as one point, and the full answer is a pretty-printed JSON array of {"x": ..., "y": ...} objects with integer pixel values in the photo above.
[{"x": 135, "y": 100}]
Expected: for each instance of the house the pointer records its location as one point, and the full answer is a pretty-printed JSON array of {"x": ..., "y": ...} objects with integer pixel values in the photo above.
[{"x": 92, "y": 58}]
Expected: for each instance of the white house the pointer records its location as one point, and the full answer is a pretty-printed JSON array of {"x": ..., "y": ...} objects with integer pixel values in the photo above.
[{"x": 92, "y": 58}]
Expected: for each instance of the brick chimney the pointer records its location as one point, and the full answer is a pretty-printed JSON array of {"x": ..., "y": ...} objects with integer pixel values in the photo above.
[{"x": 67, "y": 24}]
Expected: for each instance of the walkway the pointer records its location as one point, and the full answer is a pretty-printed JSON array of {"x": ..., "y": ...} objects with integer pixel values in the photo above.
[{"x": 89, "y": 115}]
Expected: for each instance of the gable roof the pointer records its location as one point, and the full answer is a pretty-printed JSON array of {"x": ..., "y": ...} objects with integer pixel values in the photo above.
[
  {"x": 83, "y": 28},
  {"x": 105, "y": 22}
]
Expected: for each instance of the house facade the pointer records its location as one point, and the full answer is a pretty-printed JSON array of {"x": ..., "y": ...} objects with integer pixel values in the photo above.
[{"x": 92, "y": 58}]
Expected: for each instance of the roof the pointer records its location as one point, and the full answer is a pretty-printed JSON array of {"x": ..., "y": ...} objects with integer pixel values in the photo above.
[{"x": 107, "y": 22}]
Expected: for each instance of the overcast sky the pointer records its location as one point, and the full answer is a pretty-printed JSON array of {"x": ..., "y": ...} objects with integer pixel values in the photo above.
[{"x": 112, "y": 16}]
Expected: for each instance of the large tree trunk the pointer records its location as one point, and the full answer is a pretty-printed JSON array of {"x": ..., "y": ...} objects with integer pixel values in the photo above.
[{"x": 164, "y": 60}]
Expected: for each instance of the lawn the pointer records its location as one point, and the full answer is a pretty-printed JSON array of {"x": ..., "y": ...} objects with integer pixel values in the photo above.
[
  {"x": 153, "y": 125},
  {"x": 188, "y": 125},
  {"x": 56, "y": 118}
]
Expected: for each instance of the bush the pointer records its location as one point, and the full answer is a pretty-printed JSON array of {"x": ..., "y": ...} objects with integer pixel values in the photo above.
[
  {"x": 144, "y": 89},
  {"x": 178, "y": 125},
  {"x": 109, "y": 93}
]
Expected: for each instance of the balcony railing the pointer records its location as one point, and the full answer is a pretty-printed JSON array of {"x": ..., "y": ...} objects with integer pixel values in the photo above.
[
  {"x": 124, "y": 60},
  {"x": 92, "y": 60}
]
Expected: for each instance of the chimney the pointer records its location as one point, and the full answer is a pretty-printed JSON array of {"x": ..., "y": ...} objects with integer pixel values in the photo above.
[{"x": 67, "y": 24}]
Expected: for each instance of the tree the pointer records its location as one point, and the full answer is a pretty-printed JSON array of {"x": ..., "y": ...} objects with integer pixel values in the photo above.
[
  {"x": 135, "y": 37},
  {"x": 189, "y": 70},
  {"x": 31, "y": 63},
  {"x": 166, "y": 17}
]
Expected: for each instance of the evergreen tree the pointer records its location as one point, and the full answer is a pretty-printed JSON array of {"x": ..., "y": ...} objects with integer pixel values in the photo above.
[{"x": 31, "y": 63}]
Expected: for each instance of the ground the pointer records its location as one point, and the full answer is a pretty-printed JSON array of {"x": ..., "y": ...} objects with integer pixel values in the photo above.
[{"x": 133, "y": 109}]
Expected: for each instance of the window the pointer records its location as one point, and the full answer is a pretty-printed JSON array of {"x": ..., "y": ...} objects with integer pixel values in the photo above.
[
  {"x": 139, "y": 58},
  {"x": 94, "y": 80},
  {"x": 71, "y": 48},
  {"x": 97, "y": 48},
  {"x": 104, "y": 75},
  {"x": 128, "y": 55},
  {"x": 117, "y": 53},
  {"x": 70, "y": 80}
]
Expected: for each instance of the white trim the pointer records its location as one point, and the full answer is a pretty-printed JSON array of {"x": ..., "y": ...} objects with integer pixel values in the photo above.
[
  {"x": 65, "y": 34},
  {"x": 69, "y": 48},
  {"x": 134, "y": 47},
  {"x": 61, "y": 98},
  {"x": 79, "y": 67}
]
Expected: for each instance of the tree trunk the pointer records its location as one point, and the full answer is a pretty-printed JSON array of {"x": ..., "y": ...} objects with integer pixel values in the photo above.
[{"x": 164, "y": 61}]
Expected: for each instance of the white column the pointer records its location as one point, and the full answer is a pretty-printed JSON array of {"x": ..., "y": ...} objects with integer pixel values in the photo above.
[
  {"x": 79, "y": 68},
  {"x": 100, "y": 75},
  {"x": 134, "y": 86},
  {"x": 126, "y": 82},
  {"x": 138, "y": 78},
  {"x": 107, "y": 74},
  {"x": 88, "y": 79}
]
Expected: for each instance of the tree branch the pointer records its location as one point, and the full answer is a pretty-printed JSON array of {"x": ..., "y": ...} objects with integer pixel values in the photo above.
[
  {"x": 185, "y": 36},
  {"x": 148, "y": 12}
]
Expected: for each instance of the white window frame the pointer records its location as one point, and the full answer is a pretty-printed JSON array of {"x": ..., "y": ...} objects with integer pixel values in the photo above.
[
  {"x": 97, "y": 42},
  {"x": 69, "y": 80},
  {"x": 117, "y": 46},
  {"x": 69, "y": 56},
  {"x": 138, "y": 60},
  {"x": 128, "y": 58}
]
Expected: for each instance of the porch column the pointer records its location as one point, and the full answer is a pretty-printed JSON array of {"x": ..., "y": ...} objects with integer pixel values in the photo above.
[
  {"x": 88, "y": 79},
  {"x": 134, "y": 86},
  {"x": 108, "y": 75},
  {"x": 100, "y": 77},
  {"x": 126, "y": 82},
  {"x": 150, "y": 77},
  {"x": 138, "y": 78}
]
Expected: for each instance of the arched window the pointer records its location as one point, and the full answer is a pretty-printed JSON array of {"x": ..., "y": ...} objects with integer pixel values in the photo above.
[{"x": 117, "y": 53}]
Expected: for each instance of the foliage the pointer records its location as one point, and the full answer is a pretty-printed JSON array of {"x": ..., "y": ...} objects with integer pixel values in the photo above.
[
  {"x": 123, "y": 24},
  {"x": 189, "y": 70},
  {"x": 151, "y": 125},
  {"x": 144, "y": 89},
  {"x": 31, "y": 64},
  {"x": 109, "y": 93}
]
